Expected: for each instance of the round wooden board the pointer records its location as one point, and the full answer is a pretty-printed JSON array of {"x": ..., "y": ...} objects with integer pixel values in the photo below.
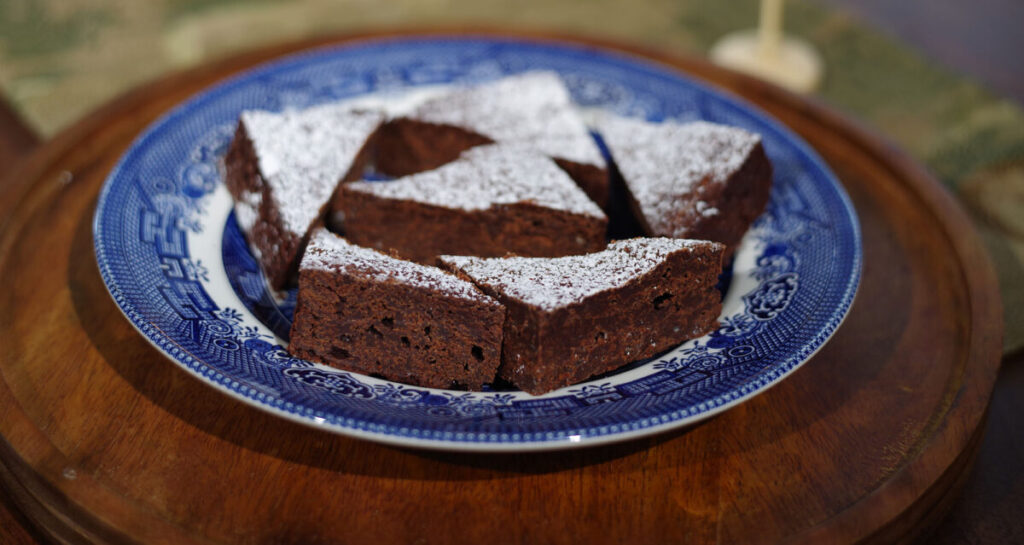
[{"x": 107, "y": 441}]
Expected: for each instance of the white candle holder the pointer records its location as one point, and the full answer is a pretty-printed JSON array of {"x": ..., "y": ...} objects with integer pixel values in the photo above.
[{"x": 765, "y": 52}]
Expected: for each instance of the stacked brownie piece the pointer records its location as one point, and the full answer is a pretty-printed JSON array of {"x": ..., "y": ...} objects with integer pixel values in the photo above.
[
  {"x": 366, "y": 311},
  {"x": 570, "y": 318},
  {"x": 532, "y": 110},
  {"x": 283, "y": 169},
  {"x": 690, "y": 180},
  {"x": 491, "y": 201}
]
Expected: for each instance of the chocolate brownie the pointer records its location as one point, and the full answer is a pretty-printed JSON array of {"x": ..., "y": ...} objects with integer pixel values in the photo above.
[
  {"x": 283, "y": 169},
  {"x": 571, "y": 318},
  {"x": 695, "y": 180},
  {"x": 531, "y": 109},
  {"x": 364, "y": 311},
  {"x": 492, "y": 201}
]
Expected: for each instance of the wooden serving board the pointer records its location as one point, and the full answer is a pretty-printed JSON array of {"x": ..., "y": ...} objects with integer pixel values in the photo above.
[{"x": 104, "y": 440}]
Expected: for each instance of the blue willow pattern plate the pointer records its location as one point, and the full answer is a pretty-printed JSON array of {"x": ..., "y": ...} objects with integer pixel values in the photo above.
[{"x": 176, "y": 264}]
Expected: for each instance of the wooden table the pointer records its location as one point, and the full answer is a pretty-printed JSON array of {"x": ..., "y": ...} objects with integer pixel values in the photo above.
[{"x": 104, "y": 440}]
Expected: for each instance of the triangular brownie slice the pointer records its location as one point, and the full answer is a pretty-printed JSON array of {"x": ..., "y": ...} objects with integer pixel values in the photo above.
[
  {"x": 283, "y": 169},
  {"x": 532, "y": 109},
  {"x": 570, "y": 318},
  {"x": 364, "y": 311},
  {"x": 492, "y": 201},
  {"x": 693, "y": 180}
]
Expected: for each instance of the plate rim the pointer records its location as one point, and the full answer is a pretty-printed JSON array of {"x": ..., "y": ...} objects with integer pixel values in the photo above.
[{"x": 180, "y": 356}]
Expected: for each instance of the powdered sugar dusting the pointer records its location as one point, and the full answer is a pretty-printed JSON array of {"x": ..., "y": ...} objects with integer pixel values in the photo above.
[
  {"x": 304, "y": 154},
  {"x": 662, "y": 162},
  {"x": 329, "y": 252},
  {"x": 531, "y": 109},
  {"x": 486, "y": 176},
  {"x": 551, "y": 283}
]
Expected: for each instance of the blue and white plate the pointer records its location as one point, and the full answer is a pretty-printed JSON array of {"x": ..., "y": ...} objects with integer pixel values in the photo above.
[{"x": 176, "y": 264}]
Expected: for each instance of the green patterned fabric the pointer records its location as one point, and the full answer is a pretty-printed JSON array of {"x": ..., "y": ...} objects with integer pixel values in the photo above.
[{"x": 59, "y": 59}]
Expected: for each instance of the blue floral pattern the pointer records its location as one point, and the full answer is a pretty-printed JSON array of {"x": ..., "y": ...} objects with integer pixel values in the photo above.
[
  {"x": 772, "y": 297},
  {"x": 801, "y": 263},
  {"x": 337, "y": 383}
]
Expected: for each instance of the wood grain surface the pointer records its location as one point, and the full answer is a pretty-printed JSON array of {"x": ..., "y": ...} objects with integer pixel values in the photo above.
[
  {"x": 16, "y": 138},
  {"x": 106, "y": 441}
]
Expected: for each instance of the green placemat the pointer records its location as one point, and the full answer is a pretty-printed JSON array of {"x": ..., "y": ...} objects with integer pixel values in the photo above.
[{"x": 60, "y": 59}]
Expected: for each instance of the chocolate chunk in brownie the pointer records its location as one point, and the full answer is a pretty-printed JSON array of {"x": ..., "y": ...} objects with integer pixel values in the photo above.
[
  {"x": 574, "y": 317},
  {"x": 364, "y": 311},
  {"x": 492, "y": 201},
  {"x": 532, "y": 109},
  {"x": 283, "y": 170},
  {"x": 695, "y": 180}
]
